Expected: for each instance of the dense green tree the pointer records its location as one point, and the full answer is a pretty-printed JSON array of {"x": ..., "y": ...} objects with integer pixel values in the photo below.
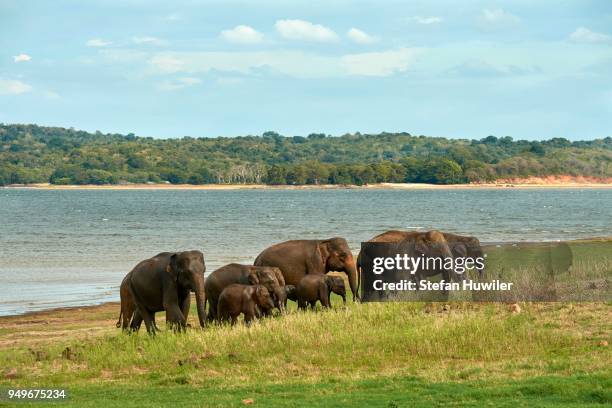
[{"x": 30, "y": 154}]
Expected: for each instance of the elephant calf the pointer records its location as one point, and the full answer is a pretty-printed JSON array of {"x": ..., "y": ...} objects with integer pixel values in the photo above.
[
  {"x": 247, "y": 299},
  {"x": 313, "y": 288},
  {"x": 246, "y": 275}
]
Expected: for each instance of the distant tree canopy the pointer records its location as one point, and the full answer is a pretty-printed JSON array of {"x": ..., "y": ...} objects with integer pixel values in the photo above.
[{"x": 36, "y": 154}]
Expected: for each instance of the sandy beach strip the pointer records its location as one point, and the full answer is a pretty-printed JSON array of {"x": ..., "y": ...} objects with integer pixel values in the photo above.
[{"x": 384, "y": 186}]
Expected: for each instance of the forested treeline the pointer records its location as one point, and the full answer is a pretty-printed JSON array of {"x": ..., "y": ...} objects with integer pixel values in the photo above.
[{"x": 37, "y": 154}]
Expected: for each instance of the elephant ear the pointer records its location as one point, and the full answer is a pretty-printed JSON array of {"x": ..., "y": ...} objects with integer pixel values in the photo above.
[
  {"x": 421, "y": 245},
  {"x": 460, "y": 250},
  {"x": 253, "y": 278},
  {"x": 260, "y": 292},
  {"x": 329, "y": 281},
  {"x": 172, "y": 268},
  {"x": 318, "y": 261}
]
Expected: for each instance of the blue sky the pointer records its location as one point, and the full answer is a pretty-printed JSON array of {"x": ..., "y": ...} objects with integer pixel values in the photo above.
[{"x": 528, "y": 69}]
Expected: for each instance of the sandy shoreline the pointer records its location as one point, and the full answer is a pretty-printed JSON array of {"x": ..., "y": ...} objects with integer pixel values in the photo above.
[{"x": 382, "y": 186}]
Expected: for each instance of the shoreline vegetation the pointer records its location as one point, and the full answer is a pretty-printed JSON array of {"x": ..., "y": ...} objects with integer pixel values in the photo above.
[
  {"x": 31, "y": 154},
  {"x": 549, "y": 182}
]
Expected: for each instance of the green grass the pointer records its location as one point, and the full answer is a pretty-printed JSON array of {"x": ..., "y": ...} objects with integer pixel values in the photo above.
[
  {"x": 379, "y": 352},
  {"x": 579, "y": 391}
]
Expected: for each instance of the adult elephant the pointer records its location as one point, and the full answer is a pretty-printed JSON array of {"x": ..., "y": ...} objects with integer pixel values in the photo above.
[
  {"x": 465, "y": 246},
  {"x": 245, "y": 275},
  {"x": 299, "y": 258},
  {"x": 164, "y": 282},
  {"x": 430, "y": 245}
]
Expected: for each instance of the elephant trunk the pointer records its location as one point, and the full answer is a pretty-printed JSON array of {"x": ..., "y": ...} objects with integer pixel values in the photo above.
[
  {"x": 351, "y": 271},
  {"x": 200, "y": 301}
]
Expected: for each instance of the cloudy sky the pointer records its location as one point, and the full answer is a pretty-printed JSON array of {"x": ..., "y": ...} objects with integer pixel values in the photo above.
[{"x": 528, "y": 69}]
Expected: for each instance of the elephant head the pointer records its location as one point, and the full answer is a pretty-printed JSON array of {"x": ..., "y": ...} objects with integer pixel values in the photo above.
[
  {"x": 268, "y": 277},
  {"x": 262, "y": 298},
  {"x": 336, "y": 256},
  {"x": 187, "y": 268},
  {"x": 433, "y": 245},
  {"x": 336, "y": 284},
  {"x": 469, "y": 247},
  {"x": 291, "y": 293}
]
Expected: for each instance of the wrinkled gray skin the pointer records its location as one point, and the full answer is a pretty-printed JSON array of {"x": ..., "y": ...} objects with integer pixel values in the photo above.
[
  {"x": 246, "y": 275},
  {"x": 247, "y": 299},
  {"x": 465, "y": 246},
  {"x": 313, "y": 288},
  {"x": 299, "y": 258},
  {"x": 164, "y": 282}
]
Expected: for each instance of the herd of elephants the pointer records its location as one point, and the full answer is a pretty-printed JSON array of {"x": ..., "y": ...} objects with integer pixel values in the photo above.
[{"x": 295, "y": 270}]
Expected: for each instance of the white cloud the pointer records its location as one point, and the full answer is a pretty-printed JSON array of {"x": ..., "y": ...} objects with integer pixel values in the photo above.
[
  {"x": 178, "y": 83},
  {"x": 167, "y": 63},
  {"x": 292, "y": 63},
  {"x": 242, "y": 34},
  {"x": 305, "y": 31},
  {"x": 13, "y": 87},
  {"x": 382, "y": 63},
  {"x": 428, "y": 20},
  {"x": 21, "y": 58},
  {"x": 360, "y": 37},
  {"x": 498, "y": 18},
  {"x": 158, "y": 42},
  {"x": 96, "y": 42},
  {"x": 585, "y": 35}
]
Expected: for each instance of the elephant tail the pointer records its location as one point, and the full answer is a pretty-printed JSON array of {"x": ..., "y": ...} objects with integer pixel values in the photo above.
[{"x": 118, "y": 324}]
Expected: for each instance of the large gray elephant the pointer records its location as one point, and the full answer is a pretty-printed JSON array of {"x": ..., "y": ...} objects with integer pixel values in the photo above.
[
  {"x": 164, "y": 282},
  {"x": 426, "y": 244},
  {"x": 299, "y": 258},
  {"x": 246, "y": 275}
]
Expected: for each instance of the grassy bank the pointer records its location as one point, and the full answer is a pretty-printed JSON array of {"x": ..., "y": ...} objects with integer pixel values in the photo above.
[
  {"x": 383, "y": 353},
  {"x": 379, "y": 354}
]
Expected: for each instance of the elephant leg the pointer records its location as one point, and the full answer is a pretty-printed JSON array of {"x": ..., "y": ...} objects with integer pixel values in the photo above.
[
  {"x": 128, "y": 314},
  {"x": 174, "y": 315},
  {"x": 324, "y": 295},
  {"x": 248, "y": 318},
  {"x": 136, "y": 322},
  {"x": 212, "y": 310},
  {"x": 148, "y": 318}
]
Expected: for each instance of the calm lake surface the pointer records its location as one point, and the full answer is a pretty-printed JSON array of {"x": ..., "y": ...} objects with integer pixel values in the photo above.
[{"x": 69, "y": 248}]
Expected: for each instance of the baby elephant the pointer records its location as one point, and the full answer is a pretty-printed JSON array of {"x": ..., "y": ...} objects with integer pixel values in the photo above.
[
  {"x": 319, "y": 287},
  {"x": 248, "y": 299}
]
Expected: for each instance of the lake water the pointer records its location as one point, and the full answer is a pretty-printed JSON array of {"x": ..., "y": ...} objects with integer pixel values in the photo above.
[{"x": 69, "y": 248}]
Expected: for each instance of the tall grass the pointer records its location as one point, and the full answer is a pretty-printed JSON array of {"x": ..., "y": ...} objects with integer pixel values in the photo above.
[{"x": 359, "y": 341}]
